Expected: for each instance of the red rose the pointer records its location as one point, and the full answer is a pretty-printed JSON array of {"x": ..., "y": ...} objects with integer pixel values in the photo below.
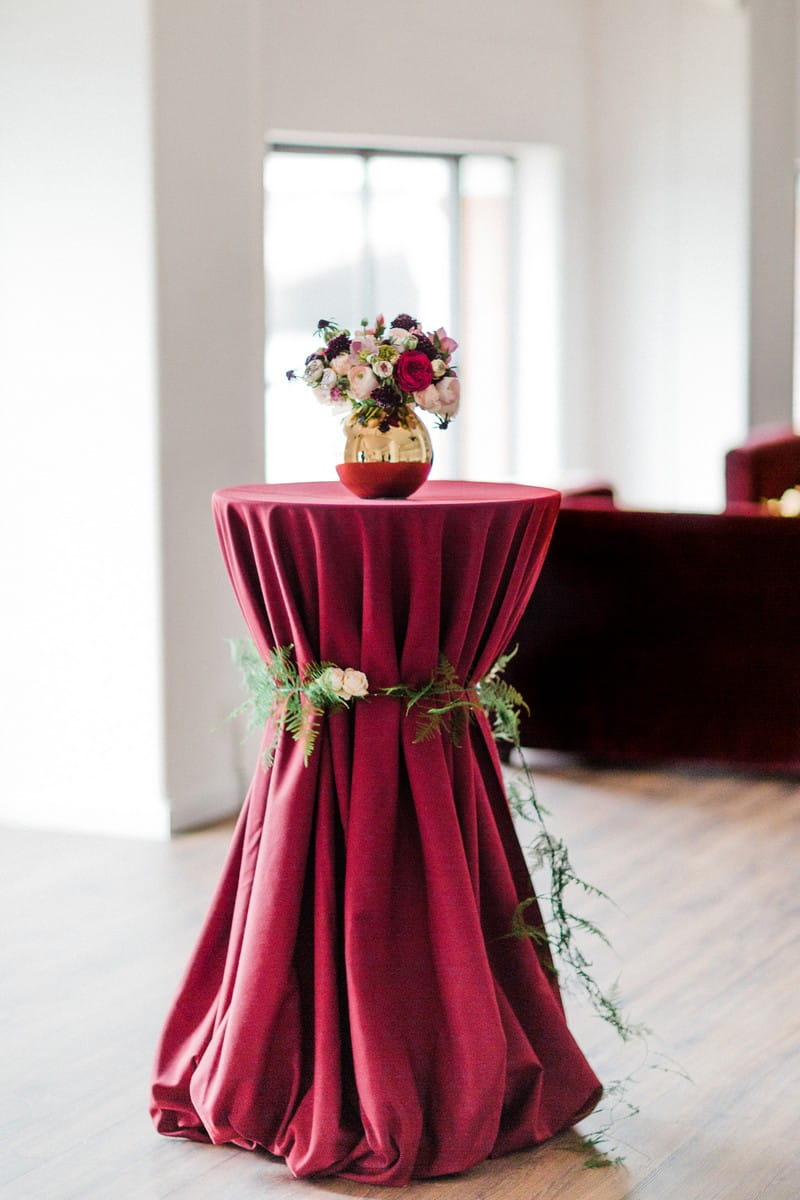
[{"x": 413, "y": 371}]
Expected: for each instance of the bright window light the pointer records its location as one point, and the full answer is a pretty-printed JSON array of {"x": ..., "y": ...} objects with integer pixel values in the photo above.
[{"x": 351, "y": 233}]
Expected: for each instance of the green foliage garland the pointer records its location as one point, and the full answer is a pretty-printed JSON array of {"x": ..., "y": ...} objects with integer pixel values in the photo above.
[{"x": 286, "y": 696}]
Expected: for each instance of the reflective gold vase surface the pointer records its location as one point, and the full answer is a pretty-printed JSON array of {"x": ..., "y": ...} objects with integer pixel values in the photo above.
[
  {"x": 409, "y": 441},
  {"x": 389, "y": 463}
]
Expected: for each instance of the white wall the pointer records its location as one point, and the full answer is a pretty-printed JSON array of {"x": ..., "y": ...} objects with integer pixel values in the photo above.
[
  {"x": 668, "y": 248},
  {"x": 645, "y": 104},
  {"x": 209, "y": 154},
  {"x": 514, "y": 75},
  {"x": 130, "y": 319},
  {"x": 78, "y": 496},
  {"x": 131, "y": 310}
]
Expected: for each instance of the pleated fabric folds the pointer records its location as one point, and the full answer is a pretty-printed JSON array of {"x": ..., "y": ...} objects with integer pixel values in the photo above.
[{"x": 354, "y": 1003}]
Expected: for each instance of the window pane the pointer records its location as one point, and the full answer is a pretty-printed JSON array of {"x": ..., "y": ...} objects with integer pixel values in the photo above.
[
  {"x": 486, "y": 229},
  {"x": 315, "y": 244},
  {"x": 410, "y": 236}
]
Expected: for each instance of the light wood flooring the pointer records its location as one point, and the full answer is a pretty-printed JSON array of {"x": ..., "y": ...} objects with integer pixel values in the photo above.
[{"x": 705, "y": 869}]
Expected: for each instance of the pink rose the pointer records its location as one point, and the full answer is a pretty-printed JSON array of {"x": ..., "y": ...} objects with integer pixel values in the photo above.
[
  {"x": 413, "y": 371},
  {"x": 449, "y": 393},
  {"x": 362, "y": 380},
  {"x": 341, "y": 363},
  {"x": 428, "y": 399}
]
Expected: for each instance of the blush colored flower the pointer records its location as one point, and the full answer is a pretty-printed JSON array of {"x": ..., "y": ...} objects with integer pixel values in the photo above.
[
  {"x": 413, "y": 371},
  {"x": 447, "y": 344},
  {"x": 363, "y": 380},
  {"x": 341, "y": 363},
  {"x": 366, "y": 344},
  {"x": 428, "y": 398},
  {"x": 449, "y": 390}
]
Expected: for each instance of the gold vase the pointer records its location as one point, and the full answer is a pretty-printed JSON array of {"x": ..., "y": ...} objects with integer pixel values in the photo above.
[
  {"x": 380, "y": 442},
  {"x": 383, "y": 461}
]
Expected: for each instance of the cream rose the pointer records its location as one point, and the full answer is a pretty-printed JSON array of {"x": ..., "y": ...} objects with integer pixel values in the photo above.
[
  {"x": 333, "y": 680},
  {"x": 313, "y": 371},
  {"x": 354, "y": 683}
]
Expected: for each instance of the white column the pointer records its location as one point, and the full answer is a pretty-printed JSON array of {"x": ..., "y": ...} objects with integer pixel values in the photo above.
[
  {"x": 130, "y": 387},
  {"x": 773, "y": 156},
  {"x": 208, "y": 204}
]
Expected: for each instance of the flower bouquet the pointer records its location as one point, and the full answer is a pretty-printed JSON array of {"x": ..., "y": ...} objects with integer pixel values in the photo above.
[{"x": 378, "y": 375}]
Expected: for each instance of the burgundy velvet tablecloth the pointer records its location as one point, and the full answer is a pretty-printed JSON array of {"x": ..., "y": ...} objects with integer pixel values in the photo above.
[{"x": 354, "y": 1003}]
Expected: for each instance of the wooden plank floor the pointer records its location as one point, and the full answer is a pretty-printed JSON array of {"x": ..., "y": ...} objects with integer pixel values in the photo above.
[{"x": 704, "y": 867}]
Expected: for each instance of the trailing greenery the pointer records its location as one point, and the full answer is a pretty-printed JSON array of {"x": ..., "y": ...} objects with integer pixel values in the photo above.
[
  {"x": 564, "y": 927},
  {"x": 451, "y": 715}
]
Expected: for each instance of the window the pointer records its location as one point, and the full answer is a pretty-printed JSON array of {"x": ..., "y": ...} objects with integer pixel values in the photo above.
[{"x": 353, "y": 232}]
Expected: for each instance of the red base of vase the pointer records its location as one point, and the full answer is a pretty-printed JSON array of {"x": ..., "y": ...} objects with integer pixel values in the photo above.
[{"x": 383, "y": 480}]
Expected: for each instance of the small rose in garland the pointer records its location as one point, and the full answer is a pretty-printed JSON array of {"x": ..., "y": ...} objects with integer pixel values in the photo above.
[
  {"x": 347, "y": 684},
  {"x": 380, "y": 371}
]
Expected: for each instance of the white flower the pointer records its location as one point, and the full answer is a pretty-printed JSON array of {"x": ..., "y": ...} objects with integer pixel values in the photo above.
[
  {"x": 399, "y": 337},
  {"x": 383, "y": 368},
  {"x": 439, "y": 367},
  {"x": 328, "y": 380},
  {"x": 333, "y": 679},
  {"x": 354, "y": 683},
  {"x": 790, "y": 502},
  {"x": 363, "y": 380},
  {"x": 313, "y": 372}
]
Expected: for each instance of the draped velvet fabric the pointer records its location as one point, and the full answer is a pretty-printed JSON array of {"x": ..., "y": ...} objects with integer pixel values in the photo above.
[{"x": 354, "y": 1004}]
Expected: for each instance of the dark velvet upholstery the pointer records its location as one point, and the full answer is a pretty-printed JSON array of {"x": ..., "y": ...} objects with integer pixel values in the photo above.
[
  {"x": 665, "y": 637},
  {"x": 763, "y": 467}
]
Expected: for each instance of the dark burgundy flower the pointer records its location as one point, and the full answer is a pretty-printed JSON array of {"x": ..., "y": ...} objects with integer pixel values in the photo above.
[
  {"x": 413, "y": 371},
  {"x": 386, "y": 397},
  {"x": 426, "y": 346},
  {"x": 404, "y": 321},
  {"x": 338, "y": 345}
]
